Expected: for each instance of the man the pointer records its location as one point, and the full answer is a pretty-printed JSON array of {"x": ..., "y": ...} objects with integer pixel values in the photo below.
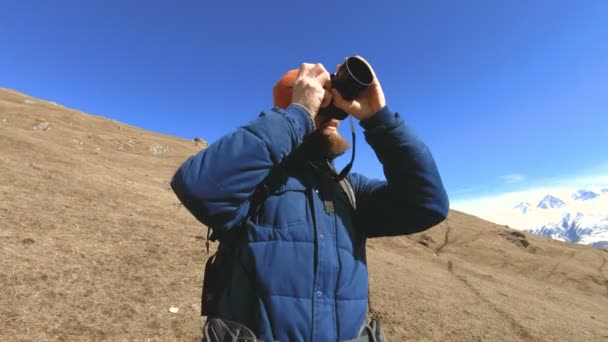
[{"x": 299, "y": 271}]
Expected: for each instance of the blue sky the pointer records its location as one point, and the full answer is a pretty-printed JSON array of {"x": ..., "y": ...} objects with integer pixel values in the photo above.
[{"x": 507, "y": 94}]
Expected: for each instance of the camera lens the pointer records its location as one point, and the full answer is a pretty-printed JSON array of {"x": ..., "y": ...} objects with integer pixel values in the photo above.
[
  {"x": 359, "y": 71},
  {"x": 352, "y": 78}
]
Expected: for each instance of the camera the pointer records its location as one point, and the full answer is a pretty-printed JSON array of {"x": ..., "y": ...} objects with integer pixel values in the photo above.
[{"x": 350, "y": 80}]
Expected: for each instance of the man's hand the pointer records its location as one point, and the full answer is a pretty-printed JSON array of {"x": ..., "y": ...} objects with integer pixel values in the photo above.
[
  {"x": 370, "y": 101},
  {"x": 311, "y": 88}
]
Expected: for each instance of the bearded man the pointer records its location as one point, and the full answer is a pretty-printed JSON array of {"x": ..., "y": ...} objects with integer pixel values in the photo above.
[{"x": 291, "y": 264}]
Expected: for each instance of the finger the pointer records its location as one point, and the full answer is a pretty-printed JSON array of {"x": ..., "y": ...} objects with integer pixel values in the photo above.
[
  {"x": 328, "y": 84},
  {"x": 325, "y": 80},
  {"x": 321, "y": 74},
  {"x": 304, "y": 69},
  {"x": 318, "y": 69},
  {"x": 326, "y": 98},
  {"x": 340, "y": 102}
]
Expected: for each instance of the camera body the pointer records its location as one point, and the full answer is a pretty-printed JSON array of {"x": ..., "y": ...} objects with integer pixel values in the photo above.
[{"x": 350, "y": 80}]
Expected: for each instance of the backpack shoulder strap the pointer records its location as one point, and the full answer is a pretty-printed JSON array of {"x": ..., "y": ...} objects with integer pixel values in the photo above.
[
  {"x": 275, "y": 178},
  {"x": 350, "y": 192},
  {"x": 261, "y": 192}
]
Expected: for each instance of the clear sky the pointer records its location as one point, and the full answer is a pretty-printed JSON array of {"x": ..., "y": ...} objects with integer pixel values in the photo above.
[{"x": 507, "y": 94}]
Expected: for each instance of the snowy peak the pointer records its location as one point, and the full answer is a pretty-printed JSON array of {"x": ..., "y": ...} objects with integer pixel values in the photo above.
[
  {"x": 550, "y": 202},
  {"x": 523, "y": 207},
  {"x": 584, "y": 195},
  {"x": 581, "y": 218}
]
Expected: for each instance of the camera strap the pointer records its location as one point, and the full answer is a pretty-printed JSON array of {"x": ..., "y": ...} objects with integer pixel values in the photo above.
[{"x": 349, "y": 166}]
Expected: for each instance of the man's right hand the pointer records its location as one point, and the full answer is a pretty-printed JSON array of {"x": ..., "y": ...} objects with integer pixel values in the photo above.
[{"x": 312, "y": 87}]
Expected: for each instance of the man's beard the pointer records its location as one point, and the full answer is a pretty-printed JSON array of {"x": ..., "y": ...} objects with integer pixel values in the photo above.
[{"x": 326, "y": 145}]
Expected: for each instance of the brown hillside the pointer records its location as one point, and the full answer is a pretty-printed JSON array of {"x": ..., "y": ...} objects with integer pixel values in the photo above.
[{"x": 94, "y": 246}]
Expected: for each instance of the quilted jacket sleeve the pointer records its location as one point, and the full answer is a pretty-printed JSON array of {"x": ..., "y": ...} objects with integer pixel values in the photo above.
[
  {"x": 412, "y": 198},
  {"x": 215, "y": 185}
]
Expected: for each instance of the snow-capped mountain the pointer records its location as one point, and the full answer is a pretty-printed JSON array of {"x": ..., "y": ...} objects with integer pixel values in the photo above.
[
  {"x": 550, "y": 202},
  {"x": 584, "y": 195},
  {"x": 523, "y": 207},
  {"x": 581, "y": 218},
  {"x": 576, "y": 228}
]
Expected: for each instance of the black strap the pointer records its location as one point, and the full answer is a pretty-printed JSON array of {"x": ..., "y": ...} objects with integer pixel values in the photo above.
[
  {"x": 350, "y": 193},
  {"x": 264, "y": 189},
  {"x": 261, "y": 192},
  {"x": 207, "y": 241},
  {"x": 349, "y": 166}
]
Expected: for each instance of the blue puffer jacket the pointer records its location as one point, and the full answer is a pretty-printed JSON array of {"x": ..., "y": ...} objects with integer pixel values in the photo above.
[{"x": 302, "y": 274}]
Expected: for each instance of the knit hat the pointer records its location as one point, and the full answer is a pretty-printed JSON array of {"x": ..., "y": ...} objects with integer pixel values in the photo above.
[{"x": 283, "y": 91}]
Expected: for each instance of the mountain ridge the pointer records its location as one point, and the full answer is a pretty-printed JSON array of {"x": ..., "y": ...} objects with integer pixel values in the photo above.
[{"x": 550, "y": 201}]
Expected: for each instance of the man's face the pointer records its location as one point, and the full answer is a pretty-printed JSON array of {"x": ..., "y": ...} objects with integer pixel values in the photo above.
[{"x": 329, "y": 139}]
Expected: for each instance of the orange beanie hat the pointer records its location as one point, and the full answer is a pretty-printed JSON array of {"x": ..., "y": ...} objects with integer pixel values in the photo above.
[{"x": 283, "y": 90}]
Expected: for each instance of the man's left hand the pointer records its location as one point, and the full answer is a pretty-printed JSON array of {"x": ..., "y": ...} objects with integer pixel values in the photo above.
[{"x": 369, "y": 102}]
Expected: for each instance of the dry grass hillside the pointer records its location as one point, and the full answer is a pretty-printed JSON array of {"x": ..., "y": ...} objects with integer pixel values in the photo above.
[{"x": 94, "y": 246}]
